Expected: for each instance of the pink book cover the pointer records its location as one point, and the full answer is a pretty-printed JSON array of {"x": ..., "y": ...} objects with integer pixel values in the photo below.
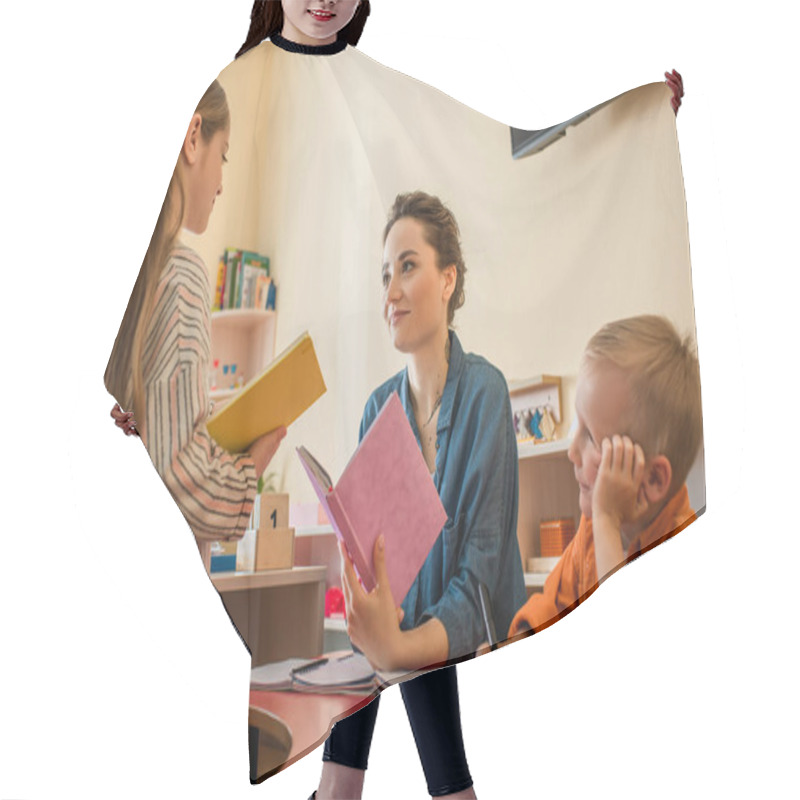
[{"x": 385, "y": 488}]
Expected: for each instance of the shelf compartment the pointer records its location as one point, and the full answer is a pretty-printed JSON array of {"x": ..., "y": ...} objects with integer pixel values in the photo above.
[
  {"x": 245, "y": 337},
  {"x": 314, "y": 530},
  {"x": 535, "y": 580},
  {"x": 531, "y": 449}
]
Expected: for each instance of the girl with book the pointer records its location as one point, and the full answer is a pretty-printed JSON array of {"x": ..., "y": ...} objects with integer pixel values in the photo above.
[
  {"x": 458, "y": 406},
  {"x": 159, "y": 366}
]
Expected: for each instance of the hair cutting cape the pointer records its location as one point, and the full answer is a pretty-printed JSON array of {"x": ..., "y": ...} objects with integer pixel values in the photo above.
[{"x": 589, "y": 229}]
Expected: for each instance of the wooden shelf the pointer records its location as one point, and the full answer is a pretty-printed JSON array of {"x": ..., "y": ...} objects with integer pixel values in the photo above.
[
  {"x": 532, "y": 450},
  {"x": 314, "y": 530},
  {"x": 547, "y": 490},
  {"x": 221, "y": 395},
  {"x": 535, "y": 580},
  {"x": 239, "y": 581},
  {"x": 244, "y": 337},
  {"x": 517, "y": 386},
  {"x": 241, "y": 315}
]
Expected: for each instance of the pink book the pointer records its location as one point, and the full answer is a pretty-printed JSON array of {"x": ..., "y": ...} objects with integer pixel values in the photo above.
[{"x": 385, "y": 488}]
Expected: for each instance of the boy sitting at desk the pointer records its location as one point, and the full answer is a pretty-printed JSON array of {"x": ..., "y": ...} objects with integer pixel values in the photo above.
[{"x": 639, "y": 427}]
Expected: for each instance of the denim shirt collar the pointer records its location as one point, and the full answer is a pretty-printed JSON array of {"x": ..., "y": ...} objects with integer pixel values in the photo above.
[{"x": 454, "y": 370}]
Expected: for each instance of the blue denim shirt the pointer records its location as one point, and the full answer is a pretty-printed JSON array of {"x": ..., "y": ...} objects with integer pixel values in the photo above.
[{"x": 478, "y": 481}]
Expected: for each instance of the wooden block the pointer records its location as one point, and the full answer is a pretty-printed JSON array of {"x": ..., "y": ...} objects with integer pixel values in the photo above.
[
  {"x": 274, "y": 548},
  {"x": 226, "y": 548},
  {"x": 274, "y": 511}
]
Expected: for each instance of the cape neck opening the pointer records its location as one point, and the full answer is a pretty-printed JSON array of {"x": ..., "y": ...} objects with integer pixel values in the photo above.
[{"x": 307, "y": 49}]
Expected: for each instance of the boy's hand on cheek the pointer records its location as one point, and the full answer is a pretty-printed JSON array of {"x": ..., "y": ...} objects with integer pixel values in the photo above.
[{"x": 617, "y": 494}]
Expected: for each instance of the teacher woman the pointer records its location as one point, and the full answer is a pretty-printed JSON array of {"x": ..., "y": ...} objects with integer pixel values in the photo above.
[{"x": 459, "y": 408}]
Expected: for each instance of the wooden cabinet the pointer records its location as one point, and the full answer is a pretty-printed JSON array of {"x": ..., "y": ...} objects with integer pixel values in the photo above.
[
  {"x": 318, "y": 546},
  {"x": 547, "y": 486},
  {"x": 278, "y": 613},
  {"x": 547, "y": 490},
  {"x": 244, "y": 338}
]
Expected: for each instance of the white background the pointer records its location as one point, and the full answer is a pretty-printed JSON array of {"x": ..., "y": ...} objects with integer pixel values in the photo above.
[{"x": 120, "y": 675}]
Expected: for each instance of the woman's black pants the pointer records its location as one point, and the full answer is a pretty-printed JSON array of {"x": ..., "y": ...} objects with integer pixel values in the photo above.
[{"x": 431, "y": 702}]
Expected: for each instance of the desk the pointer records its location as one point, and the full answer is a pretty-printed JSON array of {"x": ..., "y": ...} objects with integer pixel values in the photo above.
[
  {"x": 306, "y": 717},
  {"x": 279, "y": 612}
]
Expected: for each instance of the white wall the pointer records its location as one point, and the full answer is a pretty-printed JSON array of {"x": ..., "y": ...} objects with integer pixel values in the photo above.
[{"x": 557, "y": 244}]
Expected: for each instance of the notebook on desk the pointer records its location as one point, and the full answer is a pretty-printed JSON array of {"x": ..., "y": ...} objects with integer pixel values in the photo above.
[{"x": 339, "y": 673}]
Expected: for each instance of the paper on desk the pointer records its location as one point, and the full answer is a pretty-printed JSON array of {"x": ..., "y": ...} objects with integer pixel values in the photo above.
[
  {"x": 277, "y": 676},
  {"x": 351, "y": 672},
  {"x": 347, "y": 673}
]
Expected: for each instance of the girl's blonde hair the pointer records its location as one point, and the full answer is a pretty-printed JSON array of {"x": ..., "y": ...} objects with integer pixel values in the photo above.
[{"x": 123, "y": 377}]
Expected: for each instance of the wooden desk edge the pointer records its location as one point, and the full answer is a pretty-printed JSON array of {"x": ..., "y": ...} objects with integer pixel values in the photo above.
[
  {"x": 298, "y": 750},
  {"x": 241, "y": 581}
]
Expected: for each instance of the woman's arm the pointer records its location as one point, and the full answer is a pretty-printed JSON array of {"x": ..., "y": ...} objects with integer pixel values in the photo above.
[{"x": 482, "y": 540}]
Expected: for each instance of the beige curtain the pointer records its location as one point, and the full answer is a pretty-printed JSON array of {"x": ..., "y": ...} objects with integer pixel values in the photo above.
[{"x": 590, "y": 229}]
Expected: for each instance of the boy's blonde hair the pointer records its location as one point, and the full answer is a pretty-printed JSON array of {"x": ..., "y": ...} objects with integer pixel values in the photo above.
[{"x": 666, "y": 415}]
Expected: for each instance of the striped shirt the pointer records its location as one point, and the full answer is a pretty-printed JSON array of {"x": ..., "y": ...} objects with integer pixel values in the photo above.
[{"x": 213, "y": 489}]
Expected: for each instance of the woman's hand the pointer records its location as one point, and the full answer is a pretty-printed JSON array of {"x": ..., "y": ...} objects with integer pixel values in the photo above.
[
  {"x": 373, "y": 621},
  {"x": 675, "y": 82},
  {"x": 124, "y": 420},
  {"x": 263, "y": 449}
]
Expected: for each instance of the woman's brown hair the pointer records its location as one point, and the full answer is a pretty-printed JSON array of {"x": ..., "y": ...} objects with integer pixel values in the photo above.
[
  {"x": 441, "y": 233},
  {"x": 266, "y": 19},
  {"x": 123, "y": 377}
]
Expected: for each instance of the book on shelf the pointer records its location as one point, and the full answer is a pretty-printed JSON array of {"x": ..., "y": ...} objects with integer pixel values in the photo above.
[
  {"x": 216, "y": 305},
  {"x": 261, "y": 291},
  {"x": 289, "y": 385},
  {"x": 252, "y": 266},
  {"x": 241, "y": 274},
  {"x": 385, "y": 488},
  {"x": 233, "y": 262}
]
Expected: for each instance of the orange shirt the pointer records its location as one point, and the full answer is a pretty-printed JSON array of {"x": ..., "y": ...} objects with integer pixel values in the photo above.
[{"x": 574, "y": 577}]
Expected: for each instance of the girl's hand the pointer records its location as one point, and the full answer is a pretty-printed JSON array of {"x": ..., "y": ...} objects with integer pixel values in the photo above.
[
  {"x": 675, "y": 82},
  {"x": 373, "y": 621},
  {"x": 124, "y": 420},
  {"x": 618, "y": 493},
  {"x": 263, "y": 449}
]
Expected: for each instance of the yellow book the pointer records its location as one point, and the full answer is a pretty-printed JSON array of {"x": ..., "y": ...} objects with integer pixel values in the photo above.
[
  {"x": 278, "y": 396},
  {"x": 217, "y": 304}
]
